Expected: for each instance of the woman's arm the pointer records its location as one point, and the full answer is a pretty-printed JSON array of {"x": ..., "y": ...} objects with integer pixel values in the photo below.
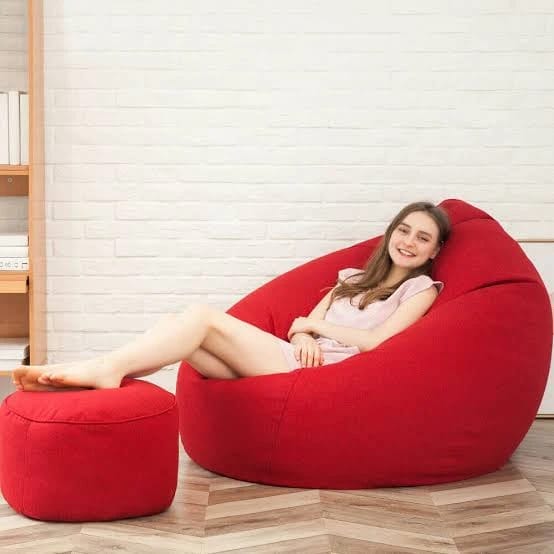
[{"x": 318, "y": 313}]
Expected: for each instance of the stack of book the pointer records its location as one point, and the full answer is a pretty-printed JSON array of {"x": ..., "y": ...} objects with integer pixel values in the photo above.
[
  {"x": 14, "y": 252},
  {"x": 14, "y": 352},
  {"x": 14, "y": 128}
]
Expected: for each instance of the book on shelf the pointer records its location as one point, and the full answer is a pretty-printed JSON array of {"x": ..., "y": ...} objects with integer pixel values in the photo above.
[
  {"x": 14, "y": 238},
  {"x": 13, "y": 364},
  {"x": 24, "y": 128},
  {"x": 14, "y": 251},
  {"x": 14, "y": 352},
  {"x": 14, "y": 128},
  {"x": 4, "y": 141},
  {"x": 14, "y": 264}
]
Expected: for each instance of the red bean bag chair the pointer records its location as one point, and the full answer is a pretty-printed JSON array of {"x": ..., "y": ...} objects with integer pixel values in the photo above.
[{"x": 449, "y": 398}]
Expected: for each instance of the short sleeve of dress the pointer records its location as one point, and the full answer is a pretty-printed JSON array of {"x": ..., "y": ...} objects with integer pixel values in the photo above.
[
  {"x": 344, "y": 273},
  {"x": 418, "y": 284}
]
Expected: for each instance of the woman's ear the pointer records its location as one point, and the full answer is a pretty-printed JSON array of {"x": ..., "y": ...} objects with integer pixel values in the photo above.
[{"x": 435, "y": 253}]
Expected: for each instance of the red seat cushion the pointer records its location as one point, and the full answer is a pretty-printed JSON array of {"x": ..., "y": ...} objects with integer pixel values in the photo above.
[
  {"x": 89, "y": 455},
  {"x": 449, "y": 398}
]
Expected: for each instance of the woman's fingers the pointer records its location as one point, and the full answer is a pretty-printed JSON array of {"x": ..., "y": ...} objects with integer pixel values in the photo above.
[{"x": 309, "y": 355}]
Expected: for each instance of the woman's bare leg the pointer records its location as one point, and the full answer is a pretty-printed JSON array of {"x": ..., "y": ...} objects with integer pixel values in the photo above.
[{"x": 169, "y": 341}]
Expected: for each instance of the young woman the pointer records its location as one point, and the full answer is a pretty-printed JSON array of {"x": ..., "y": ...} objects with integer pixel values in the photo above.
[{"x": 366, "y": 307}]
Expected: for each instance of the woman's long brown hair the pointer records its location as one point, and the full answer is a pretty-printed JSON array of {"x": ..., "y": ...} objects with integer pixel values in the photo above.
[{"x": 379, "y": 264}]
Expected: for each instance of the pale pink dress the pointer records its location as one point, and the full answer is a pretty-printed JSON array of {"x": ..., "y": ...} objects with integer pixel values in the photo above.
[{"x": 342, "y": 313}]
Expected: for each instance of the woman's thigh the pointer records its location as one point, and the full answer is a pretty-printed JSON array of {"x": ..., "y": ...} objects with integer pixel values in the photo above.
[
  {"x": 210, "y": 366},
  {"x": 245, "y": 348}
]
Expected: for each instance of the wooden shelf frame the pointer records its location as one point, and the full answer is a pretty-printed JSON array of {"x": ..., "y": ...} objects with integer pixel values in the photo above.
[
  {"x": 14, "y": 170},
  {"x": 23, "y": 293},
  {"x": 14, "y": 282}
]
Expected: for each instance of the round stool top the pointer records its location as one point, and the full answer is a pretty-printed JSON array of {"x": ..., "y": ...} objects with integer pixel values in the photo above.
[{"x": 133, "y": 399}]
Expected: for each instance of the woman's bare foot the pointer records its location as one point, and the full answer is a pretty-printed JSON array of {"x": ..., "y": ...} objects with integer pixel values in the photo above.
[
  {"x": 26, "y": 379},
  {"x": 95, "y": 374}
]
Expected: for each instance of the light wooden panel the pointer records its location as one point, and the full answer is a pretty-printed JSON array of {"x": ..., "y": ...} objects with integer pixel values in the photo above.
[
  {"x": 13, "y": 185},
  {"x": 37, "y": 252},
  {"x": 15, "y": 282},
  {"x": 14, "y": 321}
]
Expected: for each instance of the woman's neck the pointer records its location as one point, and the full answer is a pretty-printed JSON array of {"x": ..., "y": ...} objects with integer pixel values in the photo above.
[{"x": 395, "y": 275}]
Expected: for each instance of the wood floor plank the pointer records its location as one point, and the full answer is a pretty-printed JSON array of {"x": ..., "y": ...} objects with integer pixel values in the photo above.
[
  {"x": 156, "y": 540},
  {"x": 514, "y": 538},
  {"x": 266, "y": 519},
  {"x": 37, "y": 531},
  {"x": 264, "y": 536},
  {"x": 391, "y": 537},
  {"x": 344, "y": 545},
  {"x": 55, "y": 545},
  {"x": 257, "y": 505}
]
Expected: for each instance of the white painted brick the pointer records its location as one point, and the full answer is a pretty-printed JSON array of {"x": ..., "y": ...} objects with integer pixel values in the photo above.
[
  {"x": 83, "y": 248},
  {"x": 64, "y": 302},
  {"x": 69, "y": 322},
  {"x": 66, "y": 229},
  {"x": 65, "y": 266},
  {"x": 83, "y": 210},
  {"x": 102, "y": 342},
  {"x": 65, "y": 342}
]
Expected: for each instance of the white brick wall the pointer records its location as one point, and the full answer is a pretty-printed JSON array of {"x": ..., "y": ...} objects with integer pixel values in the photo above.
[{"x": 197, "y": 150}]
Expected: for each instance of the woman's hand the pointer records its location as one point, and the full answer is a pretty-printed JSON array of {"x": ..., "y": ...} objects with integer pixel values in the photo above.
[
  {"x": 300, "y": 325},
  {"x": 307, "y": 350}
]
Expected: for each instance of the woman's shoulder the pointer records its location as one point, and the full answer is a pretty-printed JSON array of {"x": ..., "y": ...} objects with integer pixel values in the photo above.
[{"x": 417, "y": 284}]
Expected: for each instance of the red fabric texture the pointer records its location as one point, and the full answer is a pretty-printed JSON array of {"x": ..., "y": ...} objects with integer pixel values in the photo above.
[
  {"x": 89, "y": 455},
  {"x": 449, "y": 398}
]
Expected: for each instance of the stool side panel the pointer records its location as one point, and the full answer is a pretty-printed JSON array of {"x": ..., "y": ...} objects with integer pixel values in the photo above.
[
  {"x": 102, "y": 472},
  {"x": 14, "y": 432}
]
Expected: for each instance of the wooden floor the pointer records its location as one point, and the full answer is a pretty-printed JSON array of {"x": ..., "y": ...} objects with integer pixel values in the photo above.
[{"x": 510, "y": 510}]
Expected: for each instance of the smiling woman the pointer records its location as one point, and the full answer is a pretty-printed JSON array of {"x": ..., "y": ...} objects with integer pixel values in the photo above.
[{"x": 222, "y": 346}]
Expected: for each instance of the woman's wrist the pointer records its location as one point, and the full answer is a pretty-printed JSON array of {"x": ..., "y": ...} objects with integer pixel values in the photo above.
[
  {"x": 314, "y": 327},
  {"x": 299, "y": 335}
]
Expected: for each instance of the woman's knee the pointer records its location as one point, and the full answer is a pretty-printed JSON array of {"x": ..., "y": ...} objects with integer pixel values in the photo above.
[{"x": 204, "y": 311}]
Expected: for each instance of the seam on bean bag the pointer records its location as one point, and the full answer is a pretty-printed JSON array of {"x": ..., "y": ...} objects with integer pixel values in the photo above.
[{"x": 281, "y": 417}]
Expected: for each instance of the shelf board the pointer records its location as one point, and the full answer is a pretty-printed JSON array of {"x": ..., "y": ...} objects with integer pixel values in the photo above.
[
  {"x": 14, "y": 282},
  {"x": 14, "y": 170}
]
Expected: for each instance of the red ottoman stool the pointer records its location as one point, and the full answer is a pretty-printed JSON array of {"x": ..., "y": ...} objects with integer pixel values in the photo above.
[{"x": 89, "y": 455}]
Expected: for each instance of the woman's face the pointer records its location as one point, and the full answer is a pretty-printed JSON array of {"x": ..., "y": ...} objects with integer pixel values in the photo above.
[{"x": 414, "y": 240}]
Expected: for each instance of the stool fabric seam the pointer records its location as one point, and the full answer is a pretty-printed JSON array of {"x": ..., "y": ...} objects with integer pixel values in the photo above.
[
  {"x": 49, "y": 421},
  {"x": 25, "y": 467}
]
